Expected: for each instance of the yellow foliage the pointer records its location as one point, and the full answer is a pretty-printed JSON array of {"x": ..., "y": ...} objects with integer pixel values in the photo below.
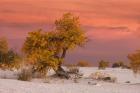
[{"x": 135, "y": 61}]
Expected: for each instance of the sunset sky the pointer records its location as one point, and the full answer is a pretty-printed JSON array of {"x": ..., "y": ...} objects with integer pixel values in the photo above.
[{"x": 113, "y": 26}]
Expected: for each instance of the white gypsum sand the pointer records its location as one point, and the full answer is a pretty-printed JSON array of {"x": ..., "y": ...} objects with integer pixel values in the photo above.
[{"x": 11, "y": 85}]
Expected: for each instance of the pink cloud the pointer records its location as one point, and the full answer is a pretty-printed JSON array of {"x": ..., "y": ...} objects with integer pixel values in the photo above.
[
  {"x": 109, "y": 33},
  {"x": 95, "y": 13}
]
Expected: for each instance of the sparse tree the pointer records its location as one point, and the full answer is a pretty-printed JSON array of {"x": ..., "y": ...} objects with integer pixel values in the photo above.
[
  {"x": 135, "y": 61},
  {"x": 13, "y": 59},
  {"x": 8, "y": 58},
  {"x": 70, "y": 33},
  {"x": 3, "y": 51},
  {"x": 48, "y": 49},
  {"x": 3, "y": 45}
]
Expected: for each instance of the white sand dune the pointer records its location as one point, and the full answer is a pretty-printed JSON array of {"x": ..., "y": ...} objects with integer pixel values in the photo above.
[{"x": 68, "y": 86}]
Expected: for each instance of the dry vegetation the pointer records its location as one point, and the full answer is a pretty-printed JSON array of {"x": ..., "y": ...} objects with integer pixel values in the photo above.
[
  {"x": 84, "y": 64},
  {"x": 25, "y": 75},
  {"x": 103, "y": 64},
  {"x": 135, "y": 61}
]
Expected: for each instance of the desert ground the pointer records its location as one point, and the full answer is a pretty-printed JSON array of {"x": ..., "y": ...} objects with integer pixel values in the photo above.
[{"x": 126, "y": 82}]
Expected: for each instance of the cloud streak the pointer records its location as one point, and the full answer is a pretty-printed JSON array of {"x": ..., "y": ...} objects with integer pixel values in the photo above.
[{"x": 111, "y": 12}]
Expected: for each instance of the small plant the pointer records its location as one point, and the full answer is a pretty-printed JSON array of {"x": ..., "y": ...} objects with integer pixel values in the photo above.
[
  {"x": 135, "y": 61},
  {"x": 25, "y": 75},
  {"x": 103, "y": 77},
  {"x": 103, "y": 64},
  {"x": 120, "y": 65},
  {"x": 10, "y": 60},
  {"x": 83, "y": 64},
  {"x": 74, "y": 72},
  {"x": 73, "y": 69}
]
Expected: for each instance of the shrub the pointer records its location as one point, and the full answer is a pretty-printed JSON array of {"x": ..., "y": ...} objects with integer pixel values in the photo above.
[
  {"x": 103, "y": 76},
  {"x": 69, "y": 65},
  {"x": 8, "y": 58},
  {"x": 135, "y": 62},
  {"x": 74, "y": 73},
  {"x": 25, "y": 75},
  {"x": 103, "y": 64},
  {"x": 3, "y": 47},
  {"x": 73, "y": 69},
  {"x": 118, "y": 64},
  {"x": 11, "y": 60},
  {"x": 126, "y": 67},
  {"x": 83, "y": 64}
]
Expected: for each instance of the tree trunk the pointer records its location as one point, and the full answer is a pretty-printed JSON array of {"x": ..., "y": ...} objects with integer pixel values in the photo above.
[
  {"x": 60, "y": 71},
  {"x": 64, "y": 53}
]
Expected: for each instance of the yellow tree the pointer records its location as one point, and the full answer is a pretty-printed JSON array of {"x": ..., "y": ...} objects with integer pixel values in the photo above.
[
  {"x": 13, "y": 59},
  {"x": 8, "y": 58},
  {"x": 3, "y": 49},
  {"x": 70, "y": 33},
  {"x": 3, "y": 45},
  {"x": 49, "y": 49},
  {"x": 39, "y": 51},
  {"x": 135, "y": 61}
]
